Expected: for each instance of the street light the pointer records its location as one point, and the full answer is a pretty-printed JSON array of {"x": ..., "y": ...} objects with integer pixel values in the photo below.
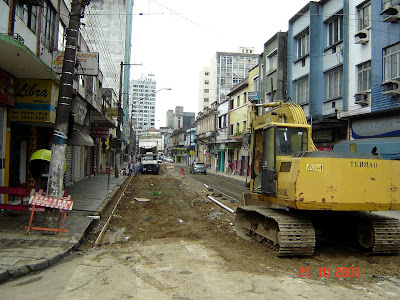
[{"x": 120, "y": 115}]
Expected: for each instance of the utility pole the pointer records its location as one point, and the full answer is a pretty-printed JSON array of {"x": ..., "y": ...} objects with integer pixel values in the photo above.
[{"x": 56, "y": 171}]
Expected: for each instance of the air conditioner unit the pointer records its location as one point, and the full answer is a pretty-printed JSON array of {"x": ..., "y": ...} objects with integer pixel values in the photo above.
[
  {"x": 362, "y": 36},
  {"x": 392, "y": 12},
  {"x": 392, "y": 88},
  {"x": 362, "y": 98}
]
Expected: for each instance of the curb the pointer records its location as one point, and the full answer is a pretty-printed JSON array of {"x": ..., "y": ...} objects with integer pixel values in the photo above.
[{"x": 111, "y": 195}]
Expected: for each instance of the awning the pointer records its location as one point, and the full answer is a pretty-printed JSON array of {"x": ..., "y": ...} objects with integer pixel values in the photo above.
[
  {"x": 80, "y": 138},
  {"x": 179, "y": 149},
  {"x": 18, "y": 60}
]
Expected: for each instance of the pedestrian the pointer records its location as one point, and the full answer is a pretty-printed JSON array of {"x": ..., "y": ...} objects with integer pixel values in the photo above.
[
  {"x": 137, "y": 169},
  {"x": 227, "y": 167},
  {"x": 130, "y": 168},
  {"x": 230, "y": 167}
]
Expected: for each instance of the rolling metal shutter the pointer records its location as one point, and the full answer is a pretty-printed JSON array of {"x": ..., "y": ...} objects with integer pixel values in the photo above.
[{"x": 68, "y": 172}]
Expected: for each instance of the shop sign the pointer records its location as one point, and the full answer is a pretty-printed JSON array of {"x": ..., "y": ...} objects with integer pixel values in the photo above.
[
  {"x": 253, "y": 96},
  {"x": 323, "y": 136},
  {"x": 376, "y": 127},
  {"x": 79, "y": 109},
  {"x": 7, "y": 88},
  {"x": 35, "y": 101},
  {"x": 112, "y": 112},
  {"x": 99, "y": 132},
  {"x": 88, "y": 63}
]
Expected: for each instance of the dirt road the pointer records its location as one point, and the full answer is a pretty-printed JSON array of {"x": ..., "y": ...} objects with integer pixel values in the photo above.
[{"x": 174, "y": 243}]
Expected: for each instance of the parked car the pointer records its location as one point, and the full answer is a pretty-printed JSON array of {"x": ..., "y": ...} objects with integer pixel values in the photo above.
[{"x": 198, "y": 167}]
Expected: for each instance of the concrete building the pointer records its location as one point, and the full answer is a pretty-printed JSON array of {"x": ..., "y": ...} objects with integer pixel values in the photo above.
[
  {"x": 273, "y": 69},
  {"x": 205, "y": 136},
  {"x": 143, "y": 93},
  {"x": 204, "y": 89},
  {"x": 109, "y": 34},
  {"x": 178, "y": 118},
  {"x": 227, "y": 69}
]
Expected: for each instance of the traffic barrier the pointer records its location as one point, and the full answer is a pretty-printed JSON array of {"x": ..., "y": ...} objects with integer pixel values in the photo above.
[{"x": 63, "y": 204}]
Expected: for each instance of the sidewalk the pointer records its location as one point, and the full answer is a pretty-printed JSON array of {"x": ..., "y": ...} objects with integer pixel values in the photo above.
[{"x": 21, "y": 254}]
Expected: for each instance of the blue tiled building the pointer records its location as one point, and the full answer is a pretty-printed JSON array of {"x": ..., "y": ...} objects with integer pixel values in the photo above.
[{"x": 343, "y": 68}]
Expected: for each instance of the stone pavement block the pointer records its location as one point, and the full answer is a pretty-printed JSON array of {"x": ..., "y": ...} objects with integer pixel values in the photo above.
[
  {"x": 17, "y": 271},
  {"x": 3, "y": 275},
  {"x": 9, "y": 260},
  {"x": 38, "y": 264},
  {"x": 52, "y": 258}
]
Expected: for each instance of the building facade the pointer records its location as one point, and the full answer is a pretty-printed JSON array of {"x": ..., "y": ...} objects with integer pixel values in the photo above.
[
  {"x": 179, "y": 118},
  {"x": 31, "y": 43},
  {"x": 227, "y": 69},
  {"x": 342, "y": 69},
  {"x": 273, "y": 70},
  {"x": 204, "y": 89},
  {"x": 143, "y": 96}
]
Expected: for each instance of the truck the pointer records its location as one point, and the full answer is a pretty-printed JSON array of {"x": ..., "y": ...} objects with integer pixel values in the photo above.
[
  {"x": 148, "y": 157},
  {"x": 299, "y": 195}
]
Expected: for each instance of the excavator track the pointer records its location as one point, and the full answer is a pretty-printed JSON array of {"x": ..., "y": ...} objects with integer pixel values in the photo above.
[
  {"x": 286, "y": 233},
  {"x": 378, "y": 234}
]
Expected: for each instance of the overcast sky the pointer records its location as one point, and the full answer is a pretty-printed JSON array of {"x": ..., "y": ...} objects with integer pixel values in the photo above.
[{"x": 175, "y": 39}]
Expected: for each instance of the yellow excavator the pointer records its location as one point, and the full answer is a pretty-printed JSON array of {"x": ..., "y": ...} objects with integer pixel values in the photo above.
[{"x": 298, "y": 194}]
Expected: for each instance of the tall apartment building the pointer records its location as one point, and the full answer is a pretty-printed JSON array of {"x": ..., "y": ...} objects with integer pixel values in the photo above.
[
  {"x": 204, "y": 89},
  {"x": 227, "y": 69},
  {"x": 108, "y": 30},
  {"x": 343, "y": 68},
  {"x": 143, "y": 96}
]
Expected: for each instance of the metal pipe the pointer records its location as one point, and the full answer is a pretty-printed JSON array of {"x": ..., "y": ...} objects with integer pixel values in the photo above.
[{"x": 222, "y": 205}]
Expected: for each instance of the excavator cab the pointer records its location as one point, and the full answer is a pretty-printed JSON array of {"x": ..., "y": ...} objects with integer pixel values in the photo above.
[{"x": 270, "y": 144}]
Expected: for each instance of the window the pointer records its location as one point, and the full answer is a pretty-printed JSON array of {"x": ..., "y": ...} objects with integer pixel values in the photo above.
[
  {"x": 391, "y": 62},
  {"x": 364, "y": 16},
  {"x": 207, "y": 73},
  {"x": 364, "y": 76},
  {"x": 28, "y": 14},
  {"x": 271, "y": 96},
  {"x": 301, "y": 86},
  {"x": 206, "y": 99},
  {"x": 206, "y": 82},
  {"x": 273, "y": 61},
  {"x": 303, "y": 45},
  {"x": 334, "y": 83},
  {"x": 206, "y": 91},
  {"x": 61, "y": 37},
  {"x": 335, "y": 31},
  {"x": 256, "y": 82},
  {"x": 48, "y": 25}
]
